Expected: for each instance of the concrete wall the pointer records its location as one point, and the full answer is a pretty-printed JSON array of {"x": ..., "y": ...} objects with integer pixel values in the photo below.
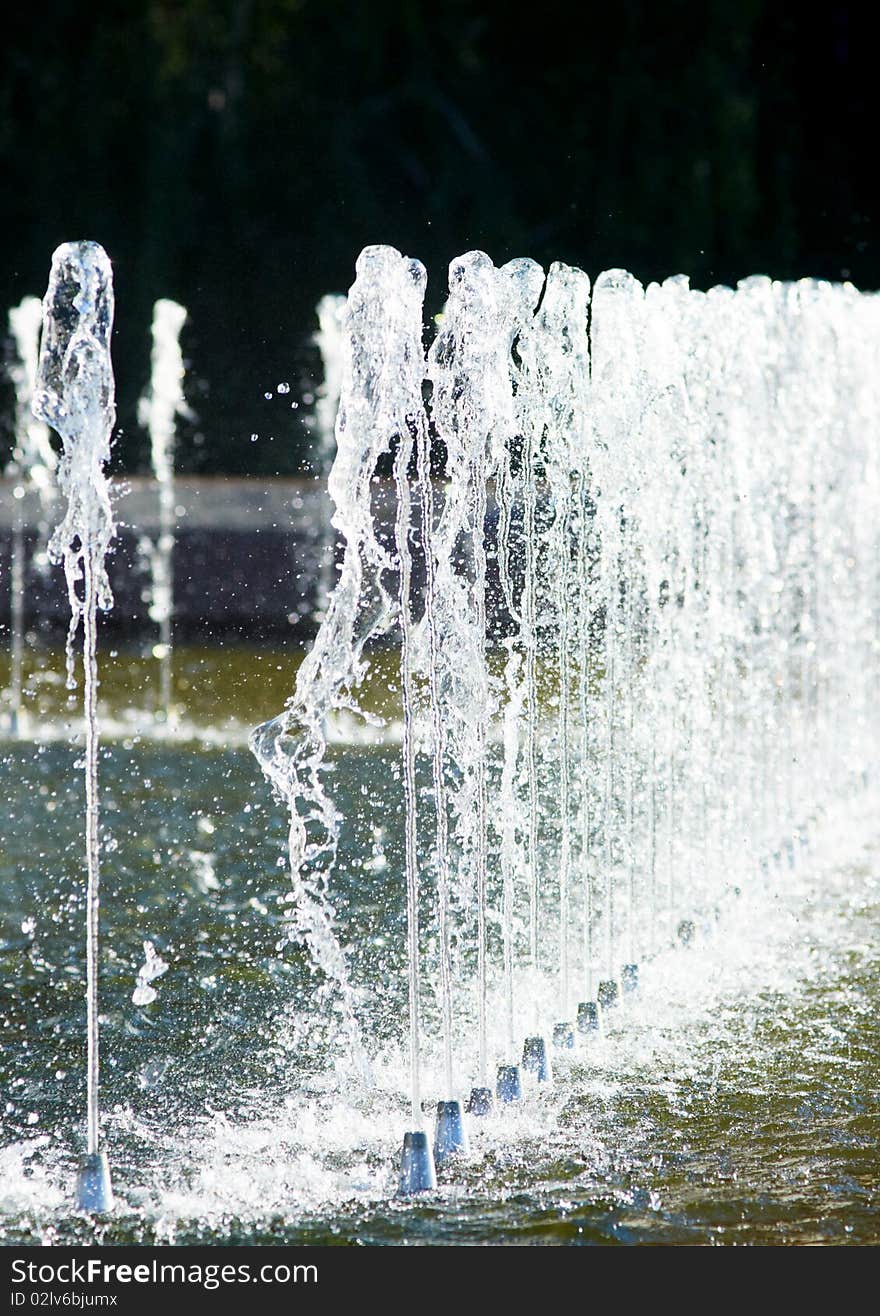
[
  {"x": 248, "y": 559},
  {"x": 252, "y": 560}
]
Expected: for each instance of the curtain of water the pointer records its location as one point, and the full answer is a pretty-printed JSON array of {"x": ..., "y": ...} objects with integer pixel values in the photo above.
[{"x": 680, "y": 580}]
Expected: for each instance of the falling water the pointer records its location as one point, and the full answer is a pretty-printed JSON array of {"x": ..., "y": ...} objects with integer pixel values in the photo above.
[
  {"x": 75, "y": 394},
  {"x": 158, "y": 411},
  {"x": 32, "y": 468},
  {"x": 381, "y": 392}
]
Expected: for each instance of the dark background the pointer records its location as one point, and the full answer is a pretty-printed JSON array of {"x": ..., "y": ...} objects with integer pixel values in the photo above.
[{"x": 237, "y": 154}]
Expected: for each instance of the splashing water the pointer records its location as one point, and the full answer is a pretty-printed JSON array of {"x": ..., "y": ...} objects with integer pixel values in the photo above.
[
  {"x": 663, "y": 556},
  {"x": 153, "y": 967},
  {"x": 75, "y": 394},
  {"x": 639, "y": 622},
  {"x": 377, "y": 396}
]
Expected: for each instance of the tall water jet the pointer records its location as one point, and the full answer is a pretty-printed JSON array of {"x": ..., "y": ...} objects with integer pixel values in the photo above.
[
  {"x": 380, "y": 396},
  {"x": 676, "y": 578},
  {"x": 616, "y": 397},
  {"x": 158, "y": 412},
  {"x": 32, "y": 469},
  {"x": 472, "y": 407},
  {"x": 391, "y": 308},
  {"x": 554, "y": 350},
  {"x": 75, "y": 394}
]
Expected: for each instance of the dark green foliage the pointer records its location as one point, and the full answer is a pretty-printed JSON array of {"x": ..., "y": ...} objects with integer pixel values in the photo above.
[{"x": 237, "y": 154}]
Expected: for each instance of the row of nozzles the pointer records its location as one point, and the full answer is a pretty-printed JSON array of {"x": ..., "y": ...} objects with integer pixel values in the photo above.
[
  {"x": 418, "y": 1172},
  {"x": 420, "y": 1156}
]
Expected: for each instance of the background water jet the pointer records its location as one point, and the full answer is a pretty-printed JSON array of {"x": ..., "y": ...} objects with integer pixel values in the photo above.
[
  {"x": 158, "y": 412},
  {"x": 32, "y": 468}
]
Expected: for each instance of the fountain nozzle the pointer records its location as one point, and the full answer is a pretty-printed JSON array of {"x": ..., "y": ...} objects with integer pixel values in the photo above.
[
  {"x": 508, "y": 1084},
  {"x": 482, "y": 1101},
  {"x": 450, "y": 1137},
  {"x": 94, "y": 1191},
  {"x": 536, "y": 1060},
  {"x": 587, "y": 1017},
  {"x": 417, "y": 1173}
]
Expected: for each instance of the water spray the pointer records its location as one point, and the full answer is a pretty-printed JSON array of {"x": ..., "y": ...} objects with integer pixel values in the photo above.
[{"x": 75, "y": 394}]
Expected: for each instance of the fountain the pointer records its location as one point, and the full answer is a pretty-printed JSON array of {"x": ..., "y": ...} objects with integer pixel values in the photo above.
[
  {"x": 663, "y": 606},
  {"x": 608, "y": 607},
  {"x": 32, "y": 468},
  {"x": 158, "y": 412},
  {"x": 74, "y": 393}
]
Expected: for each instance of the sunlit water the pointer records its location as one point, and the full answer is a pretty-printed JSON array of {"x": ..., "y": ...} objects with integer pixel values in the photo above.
[{"x": 734, "y": 1101}]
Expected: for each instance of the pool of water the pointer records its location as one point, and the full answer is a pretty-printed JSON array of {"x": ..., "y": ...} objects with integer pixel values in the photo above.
[{"x": 734, "y": 1100}]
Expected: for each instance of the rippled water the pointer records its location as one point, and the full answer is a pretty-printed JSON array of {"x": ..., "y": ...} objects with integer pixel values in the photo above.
[{"x": 735, "y": 1101}]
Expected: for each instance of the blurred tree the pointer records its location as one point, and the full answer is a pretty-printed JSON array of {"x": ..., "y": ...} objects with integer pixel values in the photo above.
[{"x": 237, "y": 154}]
